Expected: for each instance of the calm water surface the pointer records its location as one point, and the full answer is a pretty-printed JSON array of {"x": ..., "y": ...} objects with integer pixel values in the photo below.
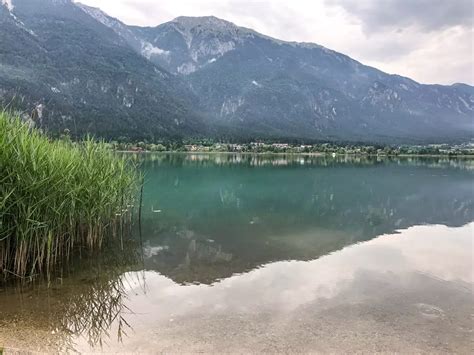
[{"x": 271, "y": 253}]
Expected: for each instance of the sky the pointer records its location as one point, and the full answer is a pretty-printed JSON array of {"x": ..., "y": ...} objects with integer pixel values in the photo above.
[{"x": 430, "y": 41}]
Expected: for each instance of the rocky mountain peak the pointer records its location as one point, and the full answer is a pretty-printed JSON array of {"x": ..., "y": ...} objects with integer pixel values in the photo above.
[
  {"x": 194, "y": 21},
  {"x": 208, "y": 27},
  {"x": 58, "y": 2},
  {"x": 191, "y": 43},
  {"x": 207, "y": 23}
]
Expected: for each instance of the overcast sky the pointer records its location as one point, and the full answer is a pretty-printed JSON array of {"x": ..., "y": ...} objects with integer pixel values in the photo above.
[{"x": 430, "y": 41}]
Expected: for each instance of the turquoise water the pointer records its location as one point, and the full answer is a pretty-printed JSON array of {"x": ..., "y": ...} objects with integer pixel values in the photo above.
[
  {"x": 236, "y": 212},
  {"x": 247, "y": 253}
]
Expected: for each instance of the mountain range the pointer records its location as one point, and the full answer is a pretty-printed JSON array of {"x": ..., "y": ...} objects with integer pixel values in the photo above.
[{"x": 76, "y": 68}]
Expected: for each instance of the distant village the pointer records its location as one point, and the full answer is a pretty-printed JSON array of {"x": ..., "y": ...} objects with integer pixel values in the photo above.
[{"x": 288, "y": 148}]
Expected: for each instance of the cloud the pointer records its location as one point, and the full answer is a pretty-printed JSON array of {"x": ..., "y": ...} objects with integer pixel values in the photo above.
[
  {"x": 443, "y": 58},
  {"x": 427, "y": 15},
  {"x": 428, "y": 40}
]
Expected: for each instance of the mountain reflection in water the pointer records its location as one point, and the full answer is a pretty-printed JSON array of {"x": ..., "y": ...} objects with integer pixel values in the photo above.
[{"x": 226, "y": 214}]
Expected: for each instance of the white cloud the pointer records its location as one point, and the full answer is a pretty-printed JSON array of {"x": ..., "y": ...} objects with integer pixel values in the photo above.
[{"x": 421, "y": 44}]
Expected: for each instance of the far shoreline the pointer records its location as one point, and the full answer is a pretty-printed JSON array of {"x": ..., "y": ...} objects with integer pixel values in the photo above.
[{"x": 314, "y": 154}]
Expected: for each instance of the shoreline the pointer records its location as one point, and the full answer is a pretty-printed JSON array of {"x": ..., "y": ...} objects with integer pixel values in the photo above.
[{"x": 315, "y": 154}]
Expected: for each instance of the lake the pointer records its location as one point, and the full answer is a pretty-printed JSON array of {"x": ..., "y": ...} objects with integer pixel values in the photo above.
[{"x": 271, "y": 253}]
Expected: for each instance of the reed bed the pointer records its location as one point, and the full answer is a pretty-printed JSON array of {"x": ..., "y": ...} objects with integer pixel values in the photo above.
[{"x": 56, "y": 197}]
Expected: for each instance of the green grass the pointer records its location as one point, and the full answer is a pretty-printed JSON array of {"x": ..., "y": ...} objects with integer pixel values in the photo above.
[{"x": 56, "y": 197}]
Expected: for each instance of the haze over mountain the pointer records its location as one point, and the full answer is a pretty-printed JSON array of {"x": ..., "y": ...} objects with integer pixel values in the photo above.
[{"x": 89, "y": 72}]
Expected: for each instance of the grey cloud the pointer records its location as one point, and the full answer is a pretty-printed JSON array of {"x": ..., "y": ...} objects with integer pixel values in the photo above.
[
  {"x": 152, "y": 13},
  {"x": 428, "y": 15},
  {"x": 386, "y": 49}
]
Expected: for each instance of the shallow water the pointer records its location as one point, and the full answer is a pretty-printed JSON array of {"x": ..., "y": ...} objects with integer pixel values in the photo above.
[{"x": 245, "y": 253}]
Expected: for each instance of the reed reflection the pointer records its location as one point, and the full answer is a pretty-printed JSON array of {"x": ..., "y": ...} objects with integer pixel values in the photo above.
[{"x": 88, "y": 302}]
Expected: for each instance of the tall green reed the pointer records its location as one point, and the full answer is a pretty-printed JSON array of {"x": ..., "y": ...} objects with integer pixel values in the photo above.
[{"x": 57, "y": 196}]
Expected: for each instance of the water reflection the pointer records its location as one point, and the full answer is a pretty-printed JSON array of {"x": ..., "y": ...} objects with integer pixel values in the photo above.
[
  {"x": 89, "y": 300},
  {"x": 225, "y": 159},
  {"x": 414, "y": 288},
  {"x": 220, "y": 214},
  {"x": 245, "y": 253}
]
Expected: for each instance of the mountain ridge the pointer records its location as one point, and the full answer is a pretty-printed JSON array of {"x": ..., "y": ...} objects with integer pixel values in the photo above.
[{"x": 235, "y": 82}]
